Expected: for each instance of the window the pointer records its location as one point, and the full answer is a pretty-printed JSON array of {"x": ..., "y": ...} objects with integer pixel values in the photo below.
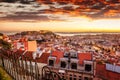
[
  {"x": 80, "y": 78},
  {"x": 86, "y": 78},
  {"x": 66, "y": 54},
  {"x": 51, "y": 63},
  {"x": 73, "y": 66},
  {"x": 63, "y": 64},
  {"x": 87, "y": 67},
  {"x": 62, "y": 77},
  {"x": 70, "y": 78},
  {"x": 73, "y": 55},
  {"x": 75, "y": 77},
  {"x": 54, "y": 76}
]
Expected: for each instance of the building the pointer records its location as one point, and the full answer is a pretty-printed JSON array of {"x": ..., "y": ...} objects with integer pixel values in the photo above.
[
  {"x": 108, "y": 71},
  {"x": 71, "y": 65}
]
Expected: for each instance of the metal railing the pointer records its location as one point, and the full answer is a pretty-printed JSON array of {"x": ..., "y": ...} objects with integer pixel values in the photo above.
[{"x": 20, "y": 67}]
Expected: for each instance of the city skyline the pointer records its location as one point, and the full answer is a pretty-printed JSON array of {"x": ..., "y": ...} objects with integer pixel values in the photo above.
[
  {"x": 60, "y": 39},
  {"x": 60, "y": 18}
]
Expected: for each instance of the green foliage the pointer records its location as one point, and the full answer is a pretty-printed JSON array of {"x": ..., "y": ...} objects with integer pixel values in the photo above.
[
  {"x": 4, "y": 75},
  {"x": 5, "y": 44},
  {"x": 1, "y": 34},
  {"x": 99, "y": 62},
  {"x": 48, "y": 33},
  {"x": 41, "y": 32}
]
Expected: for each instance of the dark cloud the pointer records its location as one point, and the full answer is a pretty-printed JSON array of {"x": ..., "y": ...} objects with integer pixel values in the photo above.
[
  {"x": 31, "y": 17},
  {"x": 26, "y": 17},
  {"x": 34, "y": 11}
]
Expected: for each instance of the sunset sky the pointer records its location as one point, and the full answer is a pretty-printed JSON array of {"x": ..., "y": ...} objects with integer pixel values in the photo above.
[
  {"x": 75, "y": 25},
  {"x": 59, "y": 17}
]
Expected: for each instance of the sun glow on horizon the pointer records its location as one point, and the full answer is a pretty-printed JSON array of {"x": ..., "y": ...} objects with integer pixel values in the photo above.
[{"x": 72, "y": 24}]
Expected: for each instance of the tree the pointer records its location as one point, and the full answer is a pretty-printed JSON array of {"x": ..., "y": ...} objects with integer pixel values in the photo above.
[
  {"x": 5, "y": 44},
  {"x": 1, "y": 34}
]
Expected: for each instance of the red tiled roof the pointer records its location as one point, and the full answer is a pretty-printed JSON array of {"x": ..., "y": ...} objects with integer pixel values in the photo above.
[
  {"x": 118, "y": 64},
  {"x": 19, "y": 52},
  {"x": 84, "y": 56},
  {"x": 112, "y": 53},
  {"x": 29, "y": 55},
  {"x": 58, "y": 55},
  {"x": 43, "y": 58}
]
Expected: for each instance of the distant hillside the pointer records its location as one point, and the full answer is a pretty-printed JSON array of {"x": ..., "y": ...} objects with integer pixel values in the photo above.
[{"x": 41, "y": 32}]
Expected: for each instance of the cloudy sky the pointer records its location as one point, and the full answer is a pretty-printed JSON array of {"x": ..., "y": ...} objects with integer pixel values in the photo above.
[{"x": 81, "y": 16}]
